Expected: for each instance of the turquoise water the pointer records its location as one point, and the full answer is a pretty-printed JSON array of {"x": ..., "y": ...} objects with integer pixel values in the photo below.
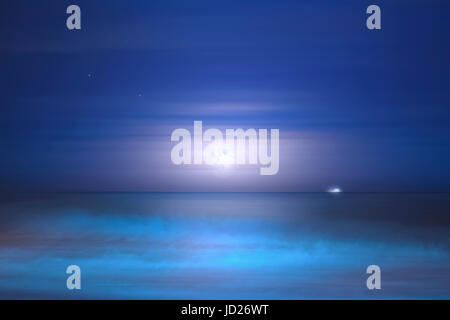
[{"x": 225, "y": 245}]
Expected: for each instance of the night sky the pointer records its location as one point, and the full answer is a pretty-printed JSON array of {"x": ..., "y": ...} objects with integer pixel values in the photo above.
[{"x": 93, "y": 110}]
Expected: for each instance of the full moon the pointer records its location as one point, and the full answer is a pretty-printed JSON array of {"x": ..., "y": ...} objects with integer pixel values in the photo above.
[{"x": 219, "y": 154}]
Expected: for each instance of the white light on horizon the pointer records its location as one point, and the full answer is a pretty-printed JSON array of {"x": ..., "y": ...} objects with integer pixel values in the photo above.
[{"x": 335, "y": 190}]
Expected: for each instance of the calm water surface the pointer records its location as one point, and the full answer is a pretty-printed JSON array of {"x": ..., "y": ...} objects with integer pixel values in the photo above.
[{"x": 225, "y": 245}]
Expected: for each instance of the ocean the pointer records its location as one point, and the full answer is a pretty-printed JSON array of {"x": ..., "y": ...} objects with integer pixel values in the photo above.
[{"x": 225, "y": 245}]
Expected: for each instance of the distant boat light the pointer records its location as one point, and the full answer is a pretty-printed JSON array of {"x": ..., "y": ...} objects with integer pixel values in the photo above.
[{"x": 334, "y": 190}]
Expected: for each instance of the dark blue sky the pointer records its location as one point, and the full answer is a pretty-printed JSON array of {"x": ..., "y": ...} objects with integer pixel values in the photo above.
[{"x": 92, "y": 110}]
